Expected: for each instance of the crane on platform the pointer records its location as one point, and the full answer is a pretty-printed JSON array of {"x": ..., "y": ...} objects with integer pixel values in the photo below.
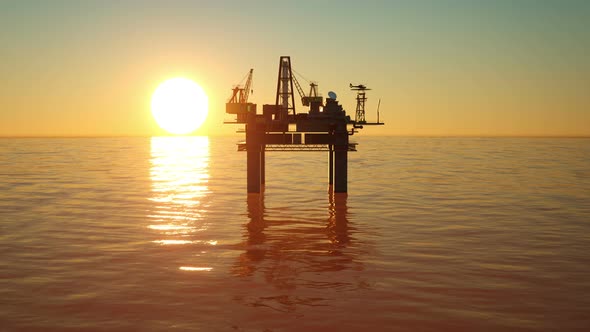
[
  {"x": 312, "y": 96},
  {"x": 312, "y": 99},
  {"x": 238, "y": 102},
  {"x": 240, "y": 93}
]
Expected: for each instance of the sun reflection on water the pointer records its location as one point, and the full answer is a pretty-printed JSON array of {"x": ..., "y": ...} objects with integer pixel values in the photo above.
[
  {"x": 180, "y": 174},
  {"x": 193, "y": 268}
]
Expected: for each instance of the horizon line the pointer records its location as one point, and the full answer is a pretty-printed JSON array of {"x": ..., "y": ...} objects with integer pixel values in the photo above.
[{"x": 234, "y": 135}]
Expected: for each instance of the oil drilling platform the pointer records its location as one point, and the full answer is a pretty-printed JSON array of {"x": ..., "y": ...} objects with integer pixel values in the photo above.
[{"x": 324, "y": 127}]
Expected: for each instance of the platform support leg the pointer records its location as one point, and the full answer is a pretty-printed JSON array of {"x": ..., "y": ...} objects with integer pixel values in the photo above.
[
  {"x": 254, "y": 138},
  {"x": 262, "y": 165},
  {"x": 341, "y": 170},
  {"x": 253, "y": 170},
  {"x": 331, "y": 165}
]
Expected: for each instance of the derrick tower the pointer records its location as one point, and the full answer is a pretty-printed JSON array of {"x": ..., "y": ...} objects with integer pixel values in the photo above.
[{"x": 285, "y": 98}]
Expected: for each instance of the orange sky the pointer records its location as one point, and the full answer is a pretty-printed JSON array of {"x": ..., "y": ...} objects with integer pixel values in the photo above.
[{"x": 439, "y": 68}]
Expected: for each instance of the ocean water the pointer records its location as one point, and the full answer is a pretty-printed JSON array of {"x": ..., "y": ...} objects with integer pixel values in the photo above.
[{"x": 158, "y": 234}]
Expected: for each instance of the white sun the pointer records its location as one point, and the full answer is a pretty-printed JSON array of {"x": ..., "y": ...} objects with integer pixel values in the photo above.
[{"x": 179, "y": 106}]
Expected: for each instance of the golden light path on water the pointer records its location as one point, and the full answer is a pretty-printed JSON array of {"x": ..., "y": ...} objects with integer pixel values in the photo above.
[{"x": 180, "y": 174}]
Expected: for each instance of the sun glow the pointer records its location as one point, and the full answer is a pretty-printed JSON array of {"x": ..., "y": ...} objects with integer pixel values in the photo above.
[{"x": 179, "y": 106}]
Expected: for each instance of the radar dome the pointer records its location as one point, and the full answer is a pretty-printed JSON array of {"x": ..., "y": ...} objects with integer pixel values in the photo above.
[{"x": 332, "y": 95}]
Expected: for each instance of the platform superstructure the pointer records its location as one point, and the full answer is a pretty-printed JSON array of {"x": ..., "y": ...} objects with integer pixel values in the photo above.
[{"x": 325, "y": 126}]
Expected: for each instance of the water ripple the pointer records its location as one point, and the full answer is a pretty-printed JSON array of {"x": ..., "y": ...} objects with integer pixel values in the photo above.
[{"x": 159, "y": 234}]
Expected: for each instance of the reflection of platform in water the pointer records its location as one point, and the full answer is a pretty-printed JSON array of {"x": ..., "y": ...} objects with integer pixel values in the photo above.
[
  {"x": 325, "y": 127},
  {"x": 288, "y": 253}
]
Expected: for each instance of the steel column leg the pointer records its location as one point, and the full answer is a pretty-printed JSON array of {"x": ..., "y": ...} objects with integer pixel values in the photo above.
[
  {"x": 341, "y": 169},
  {"x": 262, "y": 166},
  {"x": 331, "y": 164},
  {"x": 253, "y": 170}
]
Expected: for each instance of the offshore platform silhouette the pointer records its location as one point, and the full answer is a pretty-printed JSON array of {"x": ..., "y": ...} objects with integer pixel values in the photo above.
[{"x": 325, "y": 127}]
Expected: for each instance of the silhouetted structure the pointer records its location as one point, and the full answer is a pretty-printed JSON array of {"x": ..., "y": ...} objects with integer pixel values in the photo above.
[{"x": 325, "y": 127}]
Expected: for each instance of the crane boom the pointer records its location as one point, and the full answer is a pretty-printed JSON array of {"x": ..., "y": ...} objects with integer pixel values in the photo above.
[
  {"x": 312, "y": 97},
  {"x": 246, "y": 92},
  {"x": 299, "y": 89},
  {"x": 238, "y": 102}
]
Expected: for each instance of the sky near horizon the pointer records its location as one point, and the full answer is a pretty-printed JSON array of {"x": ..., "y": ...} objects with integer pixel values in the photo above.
[{"x": 88, "y": 68}]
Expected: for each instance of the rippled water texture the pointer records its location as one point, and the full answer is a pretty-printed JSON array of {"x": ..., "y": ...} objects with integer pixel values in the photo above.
[{"x": 158, "y": 234}]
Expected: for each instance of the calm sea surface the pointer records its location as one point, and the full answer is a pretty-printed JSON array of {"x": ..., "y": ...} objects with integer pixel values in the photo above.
[{"x": 158, "y": 234}]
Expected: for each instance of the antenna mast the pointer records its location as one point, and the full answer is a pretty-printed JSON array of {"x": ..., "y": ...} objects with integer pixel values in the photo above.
[{"x": 378, "y": 105}]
